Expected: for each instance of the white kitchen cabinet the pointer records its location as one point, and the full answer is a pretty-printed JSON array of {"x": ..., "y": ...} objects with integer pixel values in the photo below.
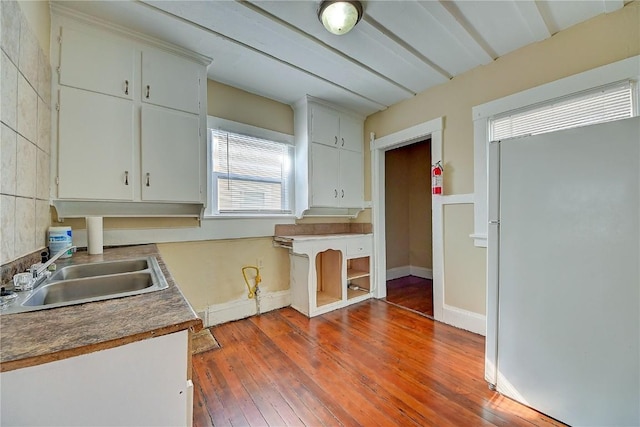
[
  {"x": 95, "y": 158},
  {"x": 170, "y": 81},
  {"x": 170, "y": 155},
  {"x": 91, "y": 62},
  {"x": 329, "y": 272},
  {"x": 143, "y": 383},
  {"x": 129, "y": 123},
  {"x": 329, "y": 160}
]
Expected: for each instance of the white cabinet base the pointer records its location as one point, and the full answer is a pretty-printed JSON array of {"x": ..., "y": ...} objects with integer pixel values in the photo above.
[{"x": 143, "y": 383}]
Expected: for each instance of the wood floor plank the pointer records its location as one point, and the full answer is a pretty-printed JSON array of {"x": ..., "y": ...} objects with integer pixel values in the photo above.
[{"x": 369, "y": 364}]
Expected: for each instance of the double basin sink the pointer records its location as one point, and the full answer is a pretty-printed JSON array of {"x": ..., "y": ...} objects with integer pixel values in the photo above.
[{"x": 82, "y": 283}]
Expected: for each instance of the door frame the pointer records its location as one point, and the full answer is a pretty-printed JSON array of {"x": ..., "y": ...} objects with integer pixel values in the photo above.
[{"x": 433, "y": 129}]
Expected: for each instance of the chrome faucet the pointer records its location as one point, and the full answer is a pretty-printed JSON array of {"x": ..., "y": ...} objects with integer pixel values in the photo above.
[{"x": 39, "y": 274}]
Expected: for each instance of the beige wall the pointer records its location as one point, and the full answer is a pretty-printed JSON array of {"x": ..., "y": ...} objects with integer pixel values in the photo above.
[
  {"x": 25, "y": 129},
  {"x": 235, "y": 104},
  {"x": 408, "y": 206},
  {"x": 599, "y": 41},
  {"x": 210, "y": 272}
]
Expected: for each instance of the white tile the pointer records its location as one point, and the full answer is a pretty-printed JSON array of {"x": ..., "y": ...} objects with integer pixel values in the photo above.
[
  {"x": 42, "y": 180},
  {"x": 43, "y": 221},
  {"x": 10, "y": 29},
  {"x": 44, "y": 77},
  {"x": 25, "y": 226},
  {"x": 8, "y": 160},
  {"x": 27, "y": 110},
  {"x": 29, "y": 49},
  {"x": 9, "y": 98},
  {"x": 7, "y": 228},
  {"x": 44, "y": 126},
  {"x": 26, "y": 171}
]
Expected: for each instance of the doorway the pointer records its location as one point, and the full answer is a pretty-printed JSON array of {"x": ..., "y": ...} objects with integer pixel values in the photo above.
[{"x": 409, "y": 265}]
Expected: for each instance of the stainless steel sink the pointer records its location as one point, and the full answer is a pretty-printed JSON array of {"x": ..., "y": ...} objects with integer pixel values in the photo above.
[
  {"x": 82, "y": 283},
  {"x": 99, "y": 269},
  {"x": 89, "y": 288}
]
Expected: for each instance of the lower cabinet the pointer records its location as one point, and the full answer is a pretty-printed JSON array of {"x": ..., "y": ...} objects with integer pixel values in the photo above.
[
  {"x": 143, "y": 383},
  {"x": 330, "y": 273}
]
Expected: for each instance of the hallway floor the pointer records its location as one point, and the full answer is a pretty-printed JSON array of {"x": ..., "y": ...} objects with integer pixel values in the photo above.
[{"x": 414, "y": 293}]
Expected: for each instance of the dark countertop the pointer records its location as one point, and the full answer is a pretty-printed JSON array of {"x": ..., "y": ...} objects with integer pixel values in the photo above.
[{"x": 37, "y": 337}]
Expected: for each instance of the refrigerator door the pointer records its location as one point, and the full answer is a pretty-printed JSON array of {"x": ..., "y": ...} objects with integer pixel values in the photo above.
[{"x": 568, "y": 330}]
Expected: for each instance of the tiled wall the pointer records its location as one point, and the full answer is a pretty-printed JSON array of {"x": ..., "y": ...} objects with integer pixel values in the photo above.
[{"x": 25, "y": 136}]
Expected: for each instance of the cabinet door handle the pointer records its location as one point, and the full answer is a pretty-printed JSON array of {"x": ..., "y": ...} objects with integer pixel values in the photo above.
[
  {"x": 343, "y": 142},
  {"x": 342, "y": 194},
  {"x": 126, "y": 87},
  {"x": 148, "y": 180},
  {"x": 126, "y": 177},
  {"x": 335, "y": 194},
  {"x": 148, "y": 91},
  {"x": 335, "y": 140}
]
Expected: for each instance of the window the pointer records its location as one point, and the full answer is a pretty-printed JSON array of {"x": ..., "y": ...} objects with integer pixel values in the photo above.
[
  {"x": 605, "y": 104},
  {"x": 251, "y": 172}
]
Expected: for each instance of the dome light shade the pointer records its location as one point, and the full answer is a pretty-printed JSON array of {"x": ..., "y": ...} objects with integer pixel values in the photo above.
[{"x": 339, "y": 17}]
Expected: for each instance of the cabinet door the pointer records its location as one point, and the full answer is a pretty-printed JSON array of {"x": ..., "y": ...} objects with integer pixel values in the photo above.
[
  {"x": 170, "y": 155},
  {"x": 351, "y": 133},
  {"x": 324, "y": 126},
  {"x": 99, "y": 64},
  {"x": 170, "y": 81},
  {"x": 351, "y": 191},
  {"x": 324, "y": 176},
  {"x": 95, "y": 146}
]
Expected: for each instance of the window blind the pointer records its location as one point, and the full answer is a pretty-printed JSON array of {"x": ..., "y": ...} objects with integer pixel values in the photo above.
[
  {"x": 250, "y": 174},
  {"x": 605, "y": 104}
]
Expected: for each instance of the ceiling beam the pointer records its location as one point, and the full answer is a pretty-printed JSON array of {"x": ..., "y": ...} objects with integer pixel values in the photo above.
[
  {"x": 533, "y": 18},
  {"x": 406, "y": 46},
  {"x": 454, "y": 22},
  {"x": 258, "y": 51},
  {"x": 257, "y": 9}
]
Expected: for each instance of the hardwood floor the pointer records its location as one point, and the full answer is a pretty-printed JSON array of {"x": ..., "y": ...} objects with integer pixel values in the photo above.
[
  {"x": 414, "y": 293},
  {"x": 368, "y": 364}
]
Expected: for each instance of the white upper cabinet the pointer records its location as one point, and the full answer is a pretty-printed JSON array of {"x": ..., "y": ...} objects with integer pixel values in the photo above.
[
  {"x": 98, "y": 64},
  {"x": 329, "y": 160},
  {"x": 95, "y": 158},
  {"x": 128, "y": 124},
  {"x": 170, "y": 81},
  {"x": 170, "y": 155}
]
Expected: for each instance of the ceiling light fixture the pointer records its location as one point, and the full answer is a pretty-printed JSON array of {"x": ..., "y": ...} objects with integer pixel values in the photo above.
[{"x": 339, "y": 17}]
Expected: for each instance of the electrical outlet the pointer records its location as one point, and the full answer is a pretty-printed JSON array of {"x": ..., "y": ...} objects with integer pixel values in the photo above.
[{"x": 260, "y": 263}]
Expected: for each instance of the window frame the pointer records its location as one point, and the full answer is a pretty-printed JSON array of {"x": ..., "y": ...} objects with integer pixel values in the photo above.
[
  {"x": 252, "y": 131},
  {"x": 626, "y": 69}
]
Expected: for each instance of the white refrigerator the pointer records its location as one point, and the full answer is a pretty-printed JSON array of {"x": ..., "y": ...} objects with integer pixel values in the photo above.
[{"x": 563, "y": 301}]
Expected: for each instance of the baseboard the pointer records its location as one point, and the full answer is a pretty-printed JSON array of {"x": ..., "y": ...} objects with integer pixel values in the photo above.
[
  {"x": 398, "y": 272},
  {"x": 240, "y": 309},
  {"x": 409, "y": 270},
  {"x": 463, "y": 319},
  {"x": 422, "y": 272},
  {"x": 274, "y": 300}
]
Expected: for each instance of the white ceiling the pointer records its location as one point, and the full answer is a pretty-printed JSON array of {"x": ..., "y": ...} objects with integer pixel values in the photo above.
[{"x": 280, "y": 50}]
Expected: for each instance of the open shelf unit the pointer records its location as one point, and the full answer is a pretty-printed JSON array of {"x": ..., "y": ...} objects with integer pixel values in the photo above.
[{"x": 330, "y": 272}]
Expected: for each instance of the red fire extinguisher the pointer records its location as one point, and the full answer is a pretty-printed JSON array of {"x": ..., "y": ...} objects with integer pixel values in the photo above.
[{"x": 436, "y": 178}]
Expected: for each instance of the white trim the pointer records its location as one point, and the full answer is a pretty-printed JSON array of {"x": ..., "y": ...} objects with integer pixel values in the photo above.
[
  {"x": 621, "y": 70},
  {"x": 432, "y": 128},
  {"x": 398, "y": 272},
  {"x": 464, "y": 319},
  {"x": 243, "y": 308},
  {"x": 422, "y": 272},
  {"x": 457, "y": 199},
  {"x": 409, "y": 270},
  {"x": 249, "y": 130},
  {"x": 220, "y": 228}
]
